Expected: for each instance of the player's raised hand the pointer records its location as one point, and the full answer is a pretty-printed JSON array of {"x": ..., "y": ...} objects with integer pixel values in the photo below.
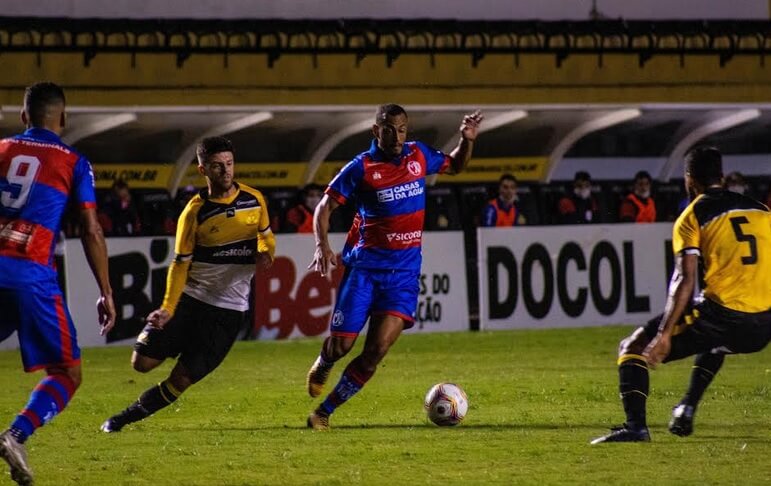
[
  {"x": 158, "y": 318},
  {"x": 324, "y": 259},
  {"x": 469, "y": 127},
  {"x": 105, "y": 307}
]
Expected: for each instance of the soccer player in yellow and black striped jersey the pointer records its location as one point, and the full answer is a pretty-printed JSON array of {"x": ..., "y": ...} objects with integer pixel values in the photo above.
[
  {"x": 731, "y": 234},
  {"x": 223, "y": 236}
]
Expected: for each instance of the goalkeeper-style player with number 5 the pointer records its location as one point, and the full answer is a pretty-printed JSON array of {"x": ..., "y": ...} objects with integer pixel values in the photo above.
[{"x": 731, "y": 234}]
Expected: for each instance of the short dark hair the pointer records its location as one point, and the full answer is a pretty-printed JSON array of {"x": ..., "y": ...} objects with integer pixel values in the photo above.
[
  {"x": 643, "y": 174},
  {"x": 582, "y": 175},
  {"x": 704, "y": 165},
  {"x": 38, "y": 98},
  {"x": 213, "y": 145},
  {"x": 508, "y": 177},
  {"x": 389, "y": 109}
]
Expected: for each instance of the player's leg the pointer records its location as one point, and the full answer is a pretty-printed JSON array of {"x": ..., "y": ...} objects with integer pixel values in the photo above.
[
  {"x": 151, "y": 348},
  {"x": 151, "y": 400},
  {"x": 143, "y": 364},
  {"x": 332, "y": 349},
  {"x": 705, "y": 368},
  {"x": 633, "y": 384},
  {"x": 348, "y": 318},
  {"x": 209, "y": 333},
  {"x": 383, "y": 332},
  {"x": 394, "y": 301},
  {"x": 725, "y": 332},
  {"x": 48, "y": 341},
  {"x": 694, "y": 334}
]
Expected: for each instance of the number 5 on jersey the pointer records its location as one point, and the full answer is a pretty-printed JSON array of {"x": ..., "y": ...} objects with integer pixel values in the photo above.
[{"x": 17, "y": 184}]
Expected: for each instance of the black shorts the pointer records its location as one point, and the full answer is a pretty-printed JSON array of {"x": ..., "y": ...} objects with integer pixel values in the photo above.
[
  {"x": 709, "y": 327},
  {"x": 199, "y": 333}
]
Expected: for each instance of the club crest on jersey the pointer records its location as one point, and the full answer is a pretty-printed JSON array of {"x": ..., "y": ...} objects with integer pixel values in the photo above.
[
  {"x": 414, "y": 167},
  {"x": 338, "y": 318}
]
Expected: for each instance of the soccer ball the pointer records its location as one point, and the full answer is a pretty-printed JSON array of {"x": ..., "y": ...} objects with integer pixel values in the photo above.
[{"x": 446, "y": 404}]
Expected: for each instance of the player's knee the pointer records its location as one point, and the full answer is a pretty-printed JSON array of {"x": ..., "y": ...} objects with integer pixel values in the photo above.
[
  {"x": 337, "y": 348},
  {"x": 635, "y": 343},
  {"x": 142, "y": 364},
  {"x": 181, "y": 379},
  {"x": 74, "y": 374}
]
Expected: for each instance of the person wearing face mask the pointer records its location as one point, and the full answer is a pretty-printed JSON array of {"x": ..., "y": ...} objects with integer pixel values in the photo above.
[
  {"x": 734, "y": 182},
  {"x": 579, "y": 207},
  {"x": 638, "y": 206},
  {"x": 299, "y": 219}
]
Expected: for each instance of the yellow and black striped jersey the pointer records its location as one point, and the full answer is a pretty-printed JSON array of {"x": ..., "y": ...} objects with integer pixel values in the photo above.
[
  {"x": 732, "y": 233},
  {"x": 222, "y": 238}
]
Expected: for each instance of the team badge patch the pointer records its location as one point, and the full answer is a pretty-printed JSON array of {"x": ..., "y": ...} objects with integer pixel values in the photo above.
[{"x": 414, "y": 167}]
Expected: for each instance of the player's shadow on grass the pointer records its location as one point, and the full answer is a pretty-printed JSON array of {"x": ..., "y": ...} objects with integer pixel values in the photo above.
[{"x": 392, "y": 426}]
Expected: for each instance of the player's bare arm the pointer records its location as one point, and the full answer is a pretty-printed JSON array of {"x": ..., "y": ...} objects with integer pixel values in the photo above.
[
  {"x": 680, "y": 295},
  {"x": 96, "y": 253},
  {"x": 469, "y": 130},
  {"x": 324, "y": 257}
]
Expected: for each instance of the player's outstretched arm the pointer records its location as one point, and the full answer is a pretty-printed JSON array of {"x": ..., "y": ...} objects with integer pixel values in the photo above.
[
  {"x": 323, "y": 257},
  {"x": 469, "y": 129},
  {"x": 680, "y": 295},
  {"x": 96, "y": 254}
]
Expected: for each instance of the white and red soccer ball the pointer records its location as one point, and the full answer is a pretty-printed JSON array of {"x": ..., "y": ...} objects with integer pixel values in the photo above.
[{"x": 446, "y": 404}]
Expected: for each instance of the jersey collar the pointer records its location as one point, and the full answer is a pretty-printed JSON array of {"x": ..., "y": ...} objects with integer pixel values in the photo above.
[
  {"x": 42, "y": 134},
  {"x": 377, "y": 154}
]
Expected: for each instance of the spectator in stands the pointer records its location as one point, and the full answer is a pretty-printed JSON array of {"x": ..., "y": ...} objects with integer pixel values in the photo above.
[
  {"x": 299, "y": 219},
  {"x": 504, "y": 210},
  {"x": 638, "y": 206},
  {"x": 118, "y": 215},
  {"x": 184, "y": 195},
  {"x": 735, "y": 182},
  {"x": 580, "y": 207}
]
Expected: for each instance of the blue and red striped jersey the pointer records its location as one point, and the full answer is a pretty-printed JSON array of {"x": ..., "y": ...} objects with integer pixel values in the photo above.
[
  {"x": 390, "y": 202},
  {"x": 38, "y": 175}
]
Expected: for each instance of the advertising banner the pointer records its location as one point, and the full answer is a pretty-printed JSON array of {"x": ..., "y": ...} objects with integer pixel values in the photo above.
[
  {"x": 290, "y": 300},
  {"x": 570, "y": 276},
  {"x": 138, "y": 277}
]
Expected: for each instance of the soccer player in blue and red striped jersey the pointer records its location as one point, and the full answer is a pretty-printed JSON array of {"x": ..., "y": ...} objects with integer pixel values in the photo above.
[
  {"x": 38, "y": 175},
  {"x": 383, "y": 252}
]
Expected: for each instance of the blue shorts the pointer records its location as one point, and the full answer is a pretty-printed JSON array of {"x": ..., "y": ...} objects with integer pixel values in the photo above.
[
  {"x": 46, "y": 334},
  {"x": 364, "y": 292}
]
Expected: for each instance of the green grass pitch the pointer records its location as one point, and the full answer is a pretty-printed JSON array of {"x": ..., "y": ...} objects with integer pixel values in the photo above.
[{"x": 536, "y": 399}]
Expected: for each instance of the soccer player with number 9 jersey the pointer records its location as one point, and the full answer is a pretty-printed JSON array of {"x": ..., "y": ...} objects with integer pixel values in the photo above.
[{"x": 38, "y": 174}]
